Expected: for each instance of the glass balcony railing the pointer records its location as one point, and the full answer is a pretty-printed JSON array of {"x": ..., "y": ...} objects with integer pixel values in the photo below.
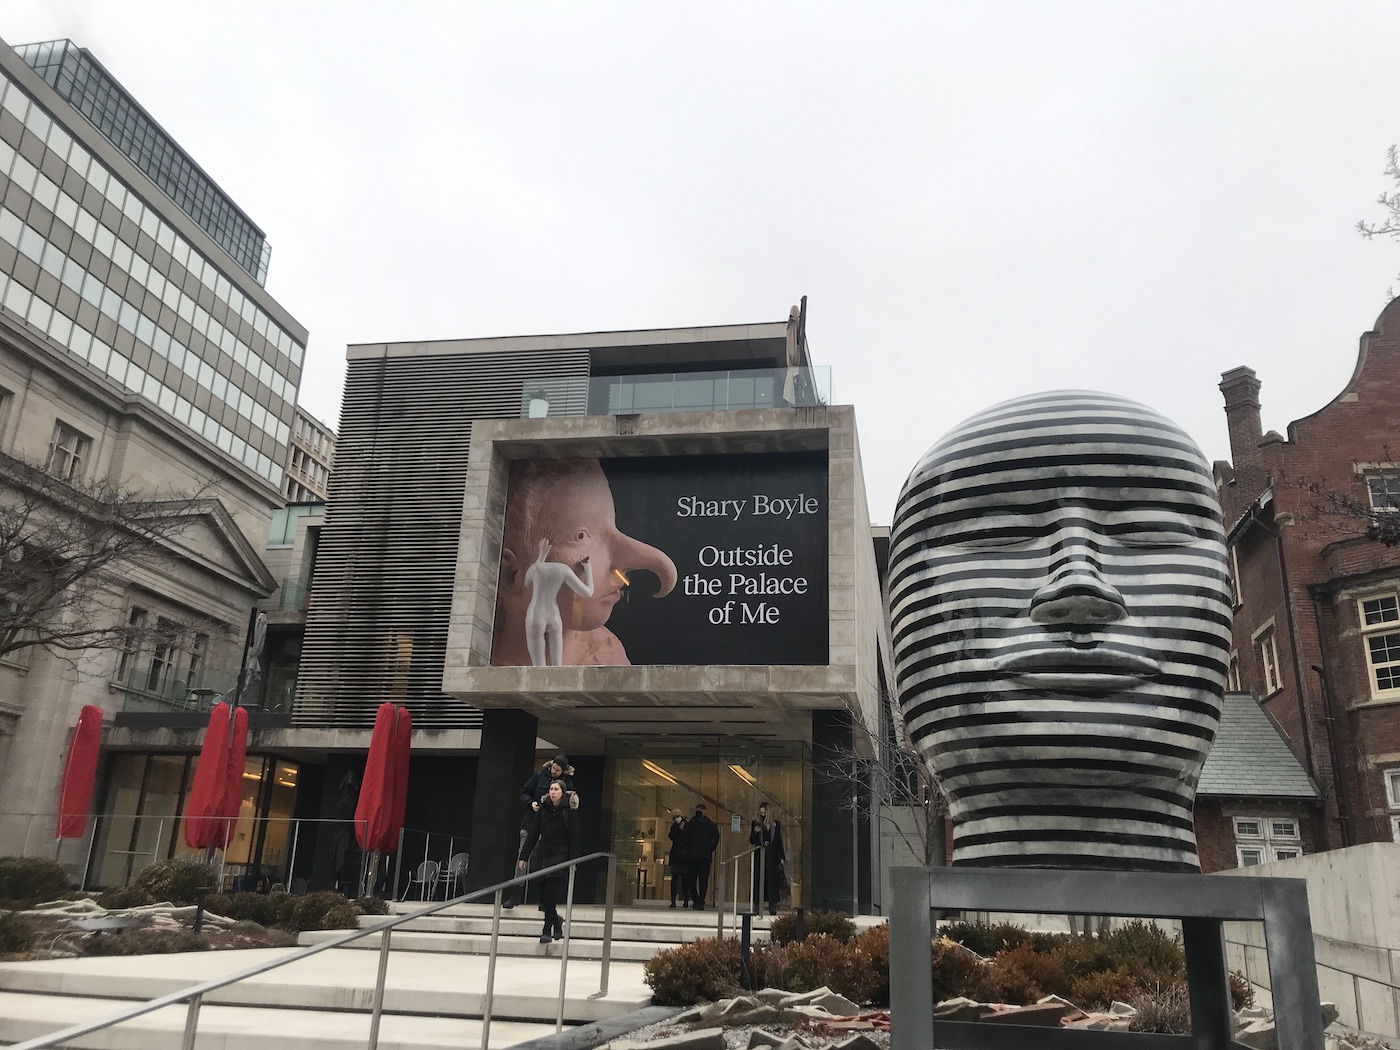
[
  {"x": 158, "y": 688},
  {"x": 722, "y": 391},
  {"x": 291, "y": 596}
]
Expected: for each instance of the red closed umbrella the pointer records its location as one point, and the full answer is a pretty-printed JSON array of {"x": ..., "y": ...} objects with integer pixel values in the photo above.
[
  {"x": 212, "y": 809},
  {"x": 403, "y": 734},
  {"x": 379, "y": 812},
  {"x": 79, "y": 774}
]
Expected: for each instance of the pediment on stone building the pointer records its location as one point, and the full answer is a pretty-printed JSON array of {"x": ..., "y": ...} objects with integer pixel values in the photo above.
[{"x": 211, "y": 540}]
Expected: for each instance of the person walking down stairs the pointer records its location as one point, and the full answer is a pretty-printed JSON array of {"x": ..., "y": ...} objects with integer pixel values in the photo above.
[{"x": 554, "y": 831}]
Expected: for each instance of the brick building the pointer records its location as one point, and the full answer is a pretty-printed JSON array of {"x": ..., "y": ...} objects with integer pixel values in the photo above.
[{"x": 1317, "y": 617}]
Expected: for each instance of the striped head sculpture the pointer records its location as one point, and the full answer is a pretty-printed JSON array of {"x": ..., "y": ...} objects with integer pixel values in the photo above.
[{"x": 1060, "y": 602}]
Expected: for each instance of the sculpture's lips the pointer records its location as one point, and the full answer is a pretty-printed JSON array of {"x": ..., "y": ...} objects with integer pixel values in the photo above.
[{"x": 1081, "y": 667}]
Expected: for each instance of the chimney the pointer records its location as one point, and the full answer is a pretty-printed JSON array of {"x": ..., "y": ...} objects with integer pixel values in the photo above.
[{"x": 1241, "y": 389}]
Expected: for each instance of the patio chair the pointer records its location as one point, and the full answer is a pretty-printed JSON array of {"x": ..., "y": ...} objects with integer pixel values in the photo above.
[
  {"x": 424, "y": 876},
  {"x": 453, "y": 874}
]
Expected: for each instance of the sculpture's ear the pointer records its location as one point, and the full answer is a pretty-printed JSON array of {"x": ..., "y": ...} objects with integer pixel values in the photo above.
[{"x": 512, "y": 572}]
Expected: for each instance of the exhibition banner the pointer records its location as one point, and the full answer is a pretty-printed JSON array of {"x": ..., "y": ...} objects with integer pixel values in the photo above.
[{"x": 665, "y": 560}]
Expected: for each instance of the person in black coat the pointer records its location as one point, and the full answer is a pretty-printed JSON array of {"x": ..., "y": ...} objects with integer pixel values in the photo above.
[
  {"x": 531, "y": 792},
  {"x": 768, "y": 836},
  {"x": 701, "y": 838},
  {"x": 554, "y": 838},
  {"x": 679, "y": 861}
]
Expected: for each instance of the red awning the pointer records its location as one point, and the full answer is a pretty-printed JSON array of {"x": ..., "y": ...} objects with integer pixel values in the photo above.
[
  {"x": 212, "y": 808},
  {"x": 79, "y": 774},
  {"x": 384, "y": 787}
]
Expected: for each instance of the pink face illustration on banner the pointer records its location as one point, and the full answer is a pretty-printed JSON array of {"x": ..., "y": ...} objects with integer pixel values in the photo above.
[{"x": 564, "y": 566}]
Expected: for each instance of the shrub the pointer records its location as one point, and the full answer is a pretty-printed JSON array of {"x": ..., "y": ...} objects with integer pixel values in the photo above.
[
  {"x": 16, "y": 935},
  {"x": 144, "y": 942},
  {"x": 261, "y": 908},
  {"x": 372, "y": 906},
  {"x": 1022, "y": 975},
  {"x": 1241, "y": 991},
  {"x": 123, "y": 897},
  {"x": 833, "y": 924},
  {"x": 957, "y": 972},
  {"x": 819, "y": 961},
  {"x": 31, "y": 880},
  {"x": 1144, "y": 947},
  {"x": 1098, "y": 991},
  {"x": 1166, "y": 1012},
  {"x": 986, "y": 940},
  {"x": 701, "y": 970},
  {"x": 323, "y": 910},
  {"x": 872, "y": 947},
  {"x": 177, "y": 880}
]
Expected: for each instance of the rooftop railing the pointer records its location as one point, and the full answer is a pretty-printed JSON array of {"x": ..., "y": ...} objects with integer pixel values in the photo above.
[{"x": 718, "y": 391}]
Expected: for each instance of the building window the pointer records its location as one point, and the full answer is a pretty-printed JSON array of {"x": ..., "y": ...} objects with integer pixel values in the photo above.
[
  {"x": 1385, "y": 491},
  {"x": 1268, "y": 662},
  {"x": 1236, "y": 592},
  {"x": 68, "y": 452},
  {"x": 1259, "y": 840},
  {"x": 135, "y": 625},
  {"x": 1392, "y": 797},
  {"x": 1232, "y": 678},
  {"x": 1380, "y": 627}
]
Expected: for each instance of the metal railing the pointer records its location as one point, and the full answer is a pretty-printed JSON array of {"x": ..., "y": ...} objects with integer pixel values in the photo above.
[
  {"x": 734, "y": 914},
  {"x": 195, "y": 995}
]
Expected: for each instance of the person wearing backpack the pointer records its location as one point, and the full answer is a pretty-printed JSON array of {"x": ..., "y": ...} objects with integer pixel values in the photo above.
[{"x": 554, "y": 833}]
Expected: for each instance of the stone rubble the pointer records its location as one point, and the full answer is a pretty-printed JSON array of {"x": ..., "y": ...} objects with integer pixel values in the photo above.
[{"x": 820, "y": 1019}]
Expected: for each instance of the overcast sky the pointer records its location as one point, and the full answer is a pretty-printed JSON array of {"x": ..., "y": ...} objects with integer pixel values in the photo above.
[{"x": 980, "y": 200}]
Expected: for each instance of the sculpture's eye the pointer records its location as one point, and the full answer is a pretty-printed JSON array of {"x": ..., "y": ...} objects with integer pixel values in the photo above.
[
  {"x": 1158, "y": 534},
  {"x": 581, "y": 535}
]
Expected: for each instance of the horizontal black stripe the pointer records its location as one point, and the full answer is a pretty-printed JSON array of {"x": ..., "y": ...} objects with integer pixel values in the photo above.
[
  {"x": 1096, "y": 862},
  {"x": 1039, "y": 717},
  {"x": 1102, "y": 765},
  {"x": 1086, "y": 812}
]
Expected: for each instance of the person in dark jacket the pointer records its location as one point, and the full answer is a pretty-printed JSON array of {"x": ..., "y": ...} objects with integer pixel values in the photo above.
[
  {"x": 701, "y": 839},
  {"x": 768, "y": 861},
  {"x": 679, "y": 861},
  {"x": 554, "y": 838},
  {"x": 534, "y": 789}
]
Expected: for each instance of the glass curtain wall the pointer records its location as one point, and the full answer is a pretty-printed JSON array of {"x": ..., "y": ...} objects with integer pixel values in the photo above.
[
  {"x": 645, "y": 785},
  {"x": 142, "y": 819}
]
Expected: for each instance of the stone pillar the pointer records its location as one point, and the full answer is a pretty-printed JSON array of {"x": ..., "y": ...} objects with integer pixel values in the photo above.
[
  {"x": 505, "y": 761},
  {"x": 833, "y": 831}
]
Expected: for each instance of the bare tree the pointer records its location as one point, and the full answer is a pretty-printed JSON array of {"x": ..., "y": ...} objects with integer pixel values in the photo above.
[
  {"x": 1373, "y": 513},
  {"x": 67, "y": 551},
  {"x": 898, "y": 783},
  {"x": 1389, "y": 200}
]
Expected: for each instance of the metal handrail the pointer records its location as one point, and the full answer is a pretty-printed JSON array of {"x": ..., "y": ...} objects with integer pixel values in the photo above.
[
  {"x": 735, "y": 913},
  {"x": 196, "y": 994}
]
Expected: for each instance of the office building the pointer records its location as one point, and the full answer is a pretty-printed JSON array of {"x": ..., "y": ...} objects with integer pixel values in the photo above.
[
  {"x": 140, "y": 350},
  {"x": 310, "y": 457}
]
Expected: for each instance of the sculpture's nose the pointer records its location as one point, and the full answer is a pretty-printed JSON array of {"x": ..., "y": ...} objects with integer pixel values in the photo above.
[
  {"x": 628, "y": 553},
  {"x": 1077, "y": 595}
]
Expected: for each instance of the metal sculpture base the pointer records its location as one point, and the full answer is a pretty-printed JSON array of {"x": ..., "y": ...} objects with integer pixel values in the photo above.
[{"x": 1202, "y": 903}]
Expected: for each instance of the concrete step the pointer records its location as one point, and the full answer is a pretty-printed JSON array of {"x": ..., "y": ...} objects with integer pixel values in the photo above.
[
  {"x": 28, "y": 1016},
  {"x": 342, "y": 980},
  {"x": 480, "y": 944},
  {"x": 528, "y": 923}
]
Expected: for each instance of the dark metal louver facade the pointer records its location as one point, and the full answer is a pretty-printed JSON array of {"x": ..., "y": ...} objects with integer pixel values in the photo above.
[{"x": 377, "y": 623}]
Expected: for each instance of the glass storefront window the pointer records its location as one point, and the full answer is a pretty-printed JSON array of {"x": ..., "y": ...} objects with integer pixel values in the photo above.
[{"x": 644, "y": 785}]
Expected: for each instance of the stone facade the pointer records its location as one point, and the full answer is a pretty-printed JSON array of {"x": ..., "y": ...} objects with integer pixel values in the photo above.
[{"x": 212, "y": 575}]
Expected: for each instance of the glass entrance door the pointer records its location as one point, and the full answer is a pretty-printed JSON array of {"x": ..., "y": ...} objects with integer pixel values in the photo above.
[{"x": 646, "y": 786}]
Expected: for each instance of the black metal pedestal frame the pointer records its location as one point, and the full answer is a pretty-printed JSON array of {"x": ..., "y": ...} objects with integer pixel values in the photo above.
[{"x": 1202, "y": 903}]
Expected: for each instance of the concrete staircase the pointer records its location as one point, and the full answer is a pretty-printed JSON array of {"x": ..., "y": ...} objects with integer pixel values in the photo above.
[{"x": 433, "y": 999}]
